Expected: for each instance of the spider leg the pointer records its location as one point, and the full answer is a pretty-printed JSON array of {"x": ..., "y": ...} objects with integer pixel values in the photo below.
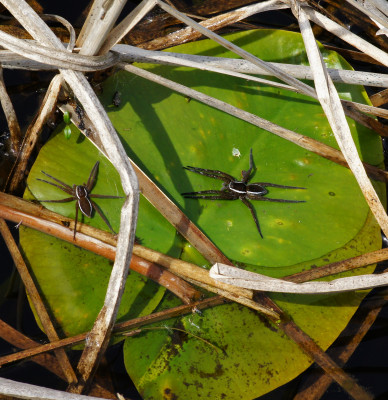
[
  {"x": 92, "y": 177},
  {"x": 66, "y": 188},
  {"x": 57, "y": 201},
  {"x": 55, "y": 179},
  {"x": 103, "y": 196},
  {"x": 204, "y": 192},
  {"x": 211, "y": 173},
  {"x": 277, "y": 186},
  {"x": 210, "y": 195},
  {"x": 246, "y": 174},
  {"x": 276, "y": 200},
  {"x": 97, "y": 208},
  {"x": 252, "y": 210}
]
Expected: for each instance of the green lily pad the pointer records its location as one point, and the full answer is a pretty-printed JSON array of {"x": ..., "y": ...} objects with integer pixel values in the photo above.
[{"x": 72, "y": 280}]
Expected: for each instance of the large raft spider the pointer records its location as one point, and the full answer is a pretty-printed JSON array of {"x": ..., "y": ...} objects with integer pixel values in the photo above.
[
  {"x": 233, "y": 189},
  {"x": 82, "y": 196}
]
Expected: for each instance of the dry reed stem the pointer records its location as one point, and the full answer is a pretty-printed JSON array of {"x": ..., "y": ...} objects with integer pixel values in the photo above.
[
  {"x": 278, "y": 73},
  {"x": 13, "y": 390},
  {"x": 100, "y": 20},
  {"x": 10, "y": 115},
  {"x": 363, "y": 260},
  {"x": 200, "y": 277},
  {"x": 132, "y": 19},
  {"x": 88, "y": 238},
  {"x": 18, "y": 340},
  {"x": 347, "y": 36},
  {"x": 52, "y": 56},
  {"x": 378, "y": 99},
  {"x": 372, "y": 110},
  {"x": 369, "y": 12},
  {"x": 351, "y": 110},
  {"x": 135, "y": 54},
  {"x": 250, "y": 280},
  {"x": 217, "y": 64},
  {"x": 103, "y": 243},
  {"x": 34, "y": 295},
  {"x": 354, "y": 55},
  {"x": 118, "y": 328},
  {"x": 66, "y": 24},
  {"x": 214, "y": 23},
  {"x": 381, "y": 5}
]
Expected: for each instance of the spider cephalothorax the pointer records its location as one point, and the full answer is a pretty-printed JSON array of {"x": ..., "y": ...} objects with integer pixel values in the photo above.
[
  {"x": 81, "y": 194},
  {"x": 233, "y": 189}
]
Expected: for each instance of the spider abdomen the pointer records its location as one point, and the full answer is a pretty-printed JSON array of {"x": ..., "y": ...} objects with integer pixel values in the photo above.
[
  {"x": 256, "y": 190},
  {"x": 252, "y": 189},
  {"x": 237, "y": 187},
  {"x": 83, "y": 201}
]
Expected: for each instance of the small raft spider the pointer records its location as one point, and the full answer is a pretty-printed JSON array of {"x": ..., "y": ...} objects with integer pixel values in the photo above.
[
  {"x": 81, "y": 194},
  {"x": 233, "y": 189}
]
